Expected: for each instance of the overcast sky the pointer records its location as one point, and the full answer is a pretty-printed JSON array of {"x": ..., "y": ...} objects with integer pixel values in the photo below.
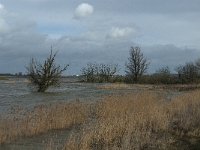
[{"x": 168, "y": 32}]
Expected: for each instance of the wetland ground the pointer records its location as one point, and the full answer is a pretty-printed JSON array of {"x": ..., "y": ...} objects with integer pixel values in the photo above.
[{"x": 98, "y": 116}]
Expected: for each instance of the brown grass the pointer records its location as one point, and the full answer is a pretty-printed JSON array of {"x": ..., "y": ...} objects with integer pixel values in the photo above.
[
  {"x": 141, "y": 121},
  {"x": 113, "y": 86},
  {"x": 179, "y": 87},
  {"x": 42, "y": 119},
  {"x": 145, "y": 120}
]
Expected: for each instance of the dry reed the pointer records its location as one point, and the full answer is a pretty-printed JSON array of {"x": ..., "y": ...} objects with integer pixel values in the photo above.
[
  {"x": 41, "y": 119},
  {"x": 140, "y": 121},
  {"x": 144, "y": 120},
  {"x": 113, "y": 86}
]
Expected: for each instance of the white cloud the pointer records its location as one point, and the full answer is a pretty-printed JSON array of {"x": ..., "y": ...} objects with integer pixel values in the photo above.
[
  {"x": 117, "y": 32},
  {"x": 1, "y": 6},
  {"x": 83, "y": 10}
]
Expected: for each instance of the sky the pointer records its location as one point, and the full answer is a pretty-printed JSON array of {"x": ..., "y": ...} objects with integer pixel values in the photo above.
[{"x": 100, "y": 31}]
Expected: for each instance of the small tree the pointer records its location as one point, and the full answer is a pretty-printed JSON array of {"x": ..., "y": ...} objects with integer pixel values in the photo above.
[
  {"x": 45, "y": 75},
  {"x": 137, "y": 64}
]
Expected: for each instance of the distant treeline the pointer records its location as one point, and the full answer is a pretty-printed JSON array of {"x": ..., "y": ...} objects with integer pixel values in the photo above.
[
  {"x": 20, "y": 74},
  {"x": 136, "y": 71}
]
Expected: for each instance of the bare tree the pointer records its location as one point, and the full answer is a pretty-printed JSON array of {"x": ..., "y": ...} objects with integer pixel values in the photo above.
[
  {"x": 137, "y": 64},
  {"x": 99, "y": 72},
  {"x": 89, "y": 72},
  {"x": 106, "y": 71},
  {"x": 42, "y": 76}
]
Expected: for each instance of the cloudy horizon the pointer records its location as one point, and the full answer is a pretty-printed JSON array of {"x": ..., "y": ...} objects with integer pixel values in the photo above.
[{"x": 98, "y": 31}]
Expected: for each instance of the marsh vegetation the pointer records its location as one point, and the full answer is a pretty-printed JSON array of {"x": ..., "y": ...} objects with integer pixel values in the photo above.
[{"x": 146, "y": 119}]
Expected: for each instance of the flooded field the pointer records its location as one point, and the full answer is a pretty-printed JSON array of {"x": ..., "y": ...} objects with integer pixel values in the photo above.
[{"x": 16, "y": 92}]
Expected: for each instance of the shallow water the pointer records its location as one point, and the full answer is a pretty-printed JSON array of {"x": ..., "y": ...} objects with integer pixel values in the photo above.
[{"x": 16, "y": 92}]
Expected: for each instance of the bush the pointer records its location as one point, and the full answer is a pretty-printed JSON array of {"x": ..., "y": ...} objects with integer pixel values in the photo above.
[{"x": 42, "y": 76}]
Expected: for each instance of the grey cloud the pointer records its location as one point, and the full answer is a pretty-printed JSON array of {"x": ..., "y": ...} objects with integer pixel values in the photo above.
[
  {"x": 174, "y": 21},
  {"x": 149, "y": 6},
  {"x": 19, "y": 42},
  {"x": 107, "y": 6},
  {"x": 79, "y": 51},
  {"x": 170, "y": 55}
]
